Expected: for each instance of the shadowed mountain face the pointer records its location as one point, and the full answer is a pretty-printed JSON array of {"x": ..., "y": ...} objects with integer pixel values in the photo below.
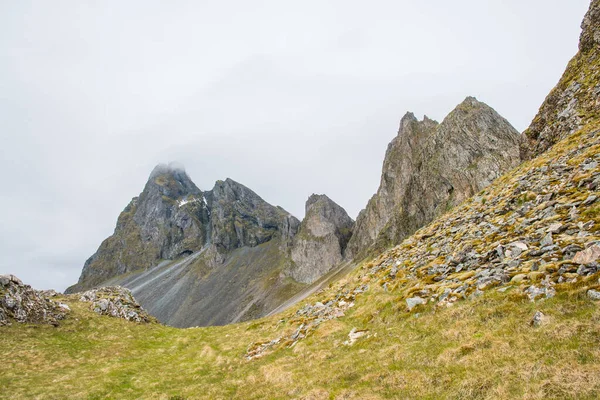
[{"x": 431, "y": 167}]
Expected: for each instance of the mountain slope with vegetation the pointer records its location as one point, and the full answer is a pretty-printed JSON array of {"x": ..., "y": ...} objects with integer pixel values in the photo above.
[{"x": 497, "y": 298}]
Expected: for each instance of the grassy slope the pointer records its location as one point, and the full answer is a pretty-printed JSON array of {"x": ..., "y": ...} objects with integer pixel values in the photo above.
[
  {"x": 479, "y": 349},
  {"x": 482, "y": 348}
]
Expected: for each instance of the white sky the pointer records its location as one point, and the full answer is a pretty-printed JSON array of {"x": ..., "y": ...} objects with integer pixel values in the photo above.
[{"x": 287, "y": 98}]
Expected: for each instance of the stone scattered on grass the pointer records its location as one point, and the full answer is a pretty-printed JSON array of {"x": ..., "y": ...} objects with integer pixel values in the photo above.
[
  {"x": 593, "y": 294},
  {"x": 588, "y": 256},
  {"x": 354, "y": 335},
  {"x": 538, "y": 319},
  {"x": 412, "y": 302}
]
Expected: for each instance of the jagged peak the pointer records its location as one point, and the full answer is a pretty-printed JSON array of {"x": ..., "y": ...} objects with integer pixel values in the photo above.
[
  {"x": 230, "y": 184},
  {"x": 473, "y": 108},
  {"x": 315, "y": 198},
  {"x": 590, "y": 34},
  {"x": 471, "y": 104},
  {"x": 410, "y": 125},
  {"x": 170, "y": 180}
]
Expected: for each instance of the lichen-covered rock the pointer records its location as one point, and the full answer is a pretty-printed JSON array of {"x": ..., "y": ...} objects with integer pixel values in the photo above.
[
  {"x": 321, "y": 240},
  {"x": 21, "y": 303},
  {"x": 115, "y": 301},
  {"x": 431, "y": 167}
]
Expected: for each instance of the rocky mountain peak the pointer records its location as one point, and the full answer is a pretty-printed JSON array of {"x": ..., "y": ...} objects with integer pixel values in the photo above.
[
  {"x": 321, "y": 240},
  {"x": 171, "y": 180},
  {"x": 239, "y": 217},
  {"x": 324, "y": 215},
  {"x": 430, "y": 167}
]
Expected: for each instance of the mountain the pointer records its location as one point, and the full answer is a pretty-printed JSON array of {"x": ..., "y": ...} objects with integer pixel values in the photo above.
[
  {"x": 197, "y": 258},
  {"x": 575, "y": 101},
  {"x": 431, "y": 167},
  {"x": 322, "y": 238},
  {"x": 167, "y": 220}
]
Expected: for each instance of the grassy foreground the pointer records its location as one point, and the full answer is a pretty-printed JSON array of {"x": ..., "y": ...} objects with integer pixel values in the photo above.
[{"x": 484, "y": 348}]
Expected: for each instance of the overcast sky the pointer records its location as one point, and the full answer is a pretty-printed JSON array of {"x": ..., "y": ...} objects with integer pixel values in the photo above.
[{"x": 288, "y": 98}]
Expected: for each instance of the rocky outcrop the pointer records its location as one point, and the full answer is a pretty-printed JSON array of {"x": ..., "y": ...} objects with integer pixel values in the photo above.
[
  {"x": 431, "y": 167},
  {"x": 322, "y": 239},
  {"x": 21, "y": 303},
  {"x": 117, "y": 302},
  {"x": 400, "y": 163},
  {"x": 575, "y": 101}
]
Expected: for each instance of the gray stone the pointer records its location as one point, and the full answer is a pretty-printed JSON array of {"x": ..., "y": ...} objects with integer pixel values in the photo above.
[
  {"x": 547, "y": 240},
  {"x": 555, "y": 228},
  {"x": 587, "y": 256},
  {"x": 412, "y": 302},
  {"x": 593, "y": 294},
  {"x": 538, "y": 319},
  {"x": 590, "y": 200}
]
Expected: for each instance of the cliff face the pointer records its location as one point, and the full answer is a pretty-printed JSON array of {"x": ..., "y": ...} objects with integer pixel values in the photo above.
[
  {"x": 239, "y": 217},
  {"x": 431, "y": 167},
  {"x": 321, "y": 240},
  {"x": 575, "y": 101},
  {"x": 399, "y": 165}
]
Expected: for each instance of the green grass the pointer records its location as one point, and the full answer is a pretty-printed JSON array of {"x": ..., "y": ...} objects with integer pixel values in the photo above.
[{"x": 484, "y": 348}]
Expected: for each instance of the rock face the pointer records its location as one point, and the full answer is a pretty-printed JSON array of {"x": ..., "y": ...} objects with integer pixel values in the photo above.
[
  {"x": 21, "y": 303},
  {"x": 575, "y": 101},
  {"x": 239, "y": 217},
  {"x": 431, "y": 167},
  {"x": 322, "y": 239}
]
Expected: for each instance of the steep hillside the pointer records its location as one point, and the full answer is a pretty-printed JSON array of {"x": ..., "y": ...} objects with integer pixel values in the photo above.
[
  {"x": 575, "y": 101},
  {"x": 431, "y": 167}
]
